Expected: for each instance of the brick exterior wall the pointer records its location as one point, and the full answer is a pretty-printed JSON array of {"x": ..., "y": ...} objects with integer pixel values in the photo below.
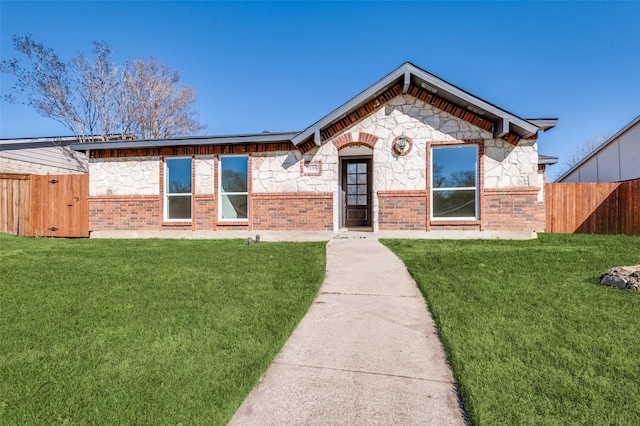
[
  {"x": 513, "y": 209},
  {"x": 402, "y": 210},
  {"x": 293, "y": 211},
  {"x": 125, "y": 213},
  {"x": 204, "y": 212}
]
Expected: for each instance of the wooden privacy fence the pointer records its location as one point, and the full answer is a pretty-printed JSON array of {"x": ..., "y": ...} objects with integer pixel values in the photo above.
[
  {"x": 593, "y": 208},
  {"x": 44, "y": 205}
]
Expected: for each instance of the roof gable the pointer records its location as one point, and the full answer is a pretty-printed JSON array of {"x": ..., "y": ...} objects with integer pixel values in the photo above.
[{"x": 409, "y": 79}]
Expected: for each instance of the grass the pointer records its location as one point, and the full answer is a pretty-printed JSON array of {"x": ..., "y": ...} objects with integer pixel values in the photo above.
[
  {"x": 531, "y": 337},
  {"x": 144, "y": 332}
]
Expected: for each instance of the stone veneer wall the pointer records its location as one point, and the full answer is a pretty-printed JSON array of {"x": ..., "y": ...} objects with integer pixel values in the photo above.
[
  {"x": 282, "y": 171},
  {"x": 124, "y": 176},
  {"x": 204, "y": 175},
  {"x": 505, "y": 165}
]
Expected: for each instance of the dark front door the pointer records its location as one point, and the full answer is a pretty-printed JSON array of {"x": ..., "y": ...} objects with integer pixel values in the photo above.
[{"x": 356, "y": 187}]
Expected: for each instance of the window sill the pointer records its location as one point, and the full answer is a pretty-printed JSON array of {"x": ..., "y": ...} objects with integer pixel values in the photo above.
[
  {"x": 233, "y": 223},
  {"x": 449, "y": 222},
  {"x": 185, "y": 223}
]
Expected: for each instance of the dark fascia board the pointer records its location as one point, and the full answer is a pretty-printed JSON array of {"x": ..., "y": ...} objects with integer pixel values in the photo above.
[
  {"x": 599, "y": 148},
  {"x": 547, "y": 159},
  {"x": 193, "y": 140},
  {"x": 404, "y": 75}
]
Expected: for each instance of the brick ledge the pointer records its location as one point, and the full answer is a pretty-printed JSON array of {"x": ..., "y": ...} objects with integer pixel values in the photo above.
[
  {"x": 404, "y": 193},
  {"x": 518, "y": 190},
  {"x": 290, "y": 195}
]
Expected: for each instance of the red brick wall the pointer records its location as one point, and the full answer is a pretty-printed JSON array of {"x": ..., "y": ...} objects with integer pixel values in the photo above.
[
  {"x": 292, "y": 211},
  {"x": 204, "y": 212},
  {"x": 513, "y": 209},
  {"x": 124, "y": 213},
  {"x": 402, "y": 210}
]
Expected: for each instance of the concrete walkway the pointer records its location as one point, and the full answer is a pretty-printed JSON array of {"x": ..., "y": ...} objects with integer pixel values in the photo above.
[{"x": 366, "y": 352}]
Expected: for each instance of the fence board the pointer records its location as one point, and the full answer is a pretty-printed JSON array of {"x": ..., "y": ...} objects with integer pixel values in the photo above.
[
  {"x": 593, "y": 208},
  {"x": 14, "y": 204}
]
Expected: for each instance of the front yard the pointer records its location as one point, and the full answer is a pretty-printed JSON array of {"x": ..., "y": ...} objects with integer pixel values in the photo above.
[
  {"x": 179, "y": 331},
  {"x": 531, "y": 338},
  {"x": 144, "y": 331}
]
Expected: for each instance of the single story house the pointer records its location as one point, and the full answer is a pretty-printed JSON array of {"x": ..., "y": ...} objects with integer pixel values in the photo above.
[
  {"x": 616, "y": 160},
  {"x": 411, "y": 152}
]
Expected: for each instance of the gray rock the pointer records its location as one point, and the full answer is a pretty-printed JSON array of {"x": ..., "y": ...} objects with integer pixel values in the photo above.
[{"x": 622, "y": 277}]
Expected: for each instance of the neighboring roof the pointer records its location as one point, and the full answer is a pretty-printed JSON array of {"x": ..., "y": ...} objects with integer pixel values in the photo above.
[
  {"x": 264, "y": 137},
  {"x": 599, "y": 148},
  {"x": 64, "y": 140},
  {"x": 42, "y": 155},
  {"x": 409, "y": 79}
]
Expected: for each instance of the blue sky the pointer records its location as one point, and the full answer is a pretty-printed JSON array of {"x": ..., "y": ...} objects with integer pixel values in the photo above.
[{"x": 282, "y": 66}]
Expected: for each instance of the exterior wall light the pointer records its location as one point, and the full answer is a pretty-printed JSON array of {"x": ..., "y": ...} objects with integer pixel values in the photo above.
[{"x": 402, "y": 145}]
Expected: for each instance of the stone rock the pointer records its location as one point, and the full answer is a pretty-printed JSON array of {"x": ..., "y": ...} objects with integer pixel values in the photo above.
[{"x": 622, "y": 277}]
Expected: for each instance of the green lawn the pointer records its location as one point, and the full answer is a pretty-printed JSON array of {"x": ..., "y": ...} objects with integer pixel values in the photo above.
[
  {"x": 145, "y": 332},
  {"x": 530, "y": 335}
]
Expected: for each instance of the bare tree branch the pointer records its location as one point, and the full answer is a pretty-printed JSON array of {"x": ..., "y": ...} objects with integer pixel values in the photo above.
[{"x": 96, "y": 100}]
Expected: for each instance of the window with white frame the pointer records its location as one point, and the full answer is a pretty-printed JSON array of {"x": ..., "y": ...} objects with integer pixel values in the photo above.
[
  {"x": 454, "y": 177},
  {"x": 233, "y": 191},
  {"x": 177, "y": 189}
]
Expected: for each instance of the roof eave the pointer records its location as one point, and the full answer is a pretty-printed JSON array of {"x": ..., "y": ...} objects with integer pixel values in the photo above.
[
  {"x": 547, "y": 159},
  {"x": 193, "y": 141},
  {"x": 504, "y": 121},
  {"x": 543, "y": 124}
]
